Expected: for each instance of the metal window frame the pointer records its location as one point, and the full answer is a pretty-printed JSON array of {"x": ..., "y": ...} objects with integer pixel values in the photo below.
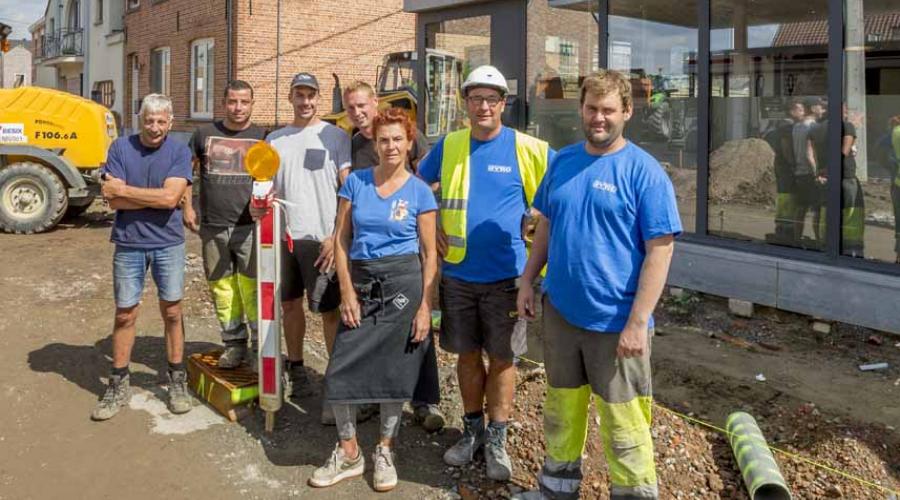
[{"x": 831, "y": 256}]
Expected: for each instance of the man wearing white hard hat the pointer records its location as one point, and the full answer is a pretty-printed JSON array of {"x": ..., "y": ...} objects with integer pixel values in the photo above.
[{"x": 488, "y": 175}]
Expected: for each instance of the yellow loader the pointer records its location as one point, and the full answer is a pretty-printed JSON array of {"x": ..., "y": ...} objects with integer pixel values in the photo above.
[{"x": 52, "y": 145}]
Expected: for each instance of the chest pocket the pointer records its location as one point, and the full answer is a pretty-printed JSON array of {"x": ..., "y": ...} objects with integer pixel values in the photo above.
[{"x": 314, "y": 159}]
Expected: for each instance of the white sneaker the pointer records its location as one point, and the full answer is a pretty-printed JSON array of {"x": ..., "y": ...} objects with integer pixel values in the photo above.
[
  {"x": 338, "y": 468},
  {"x": 385, "y": 473}
]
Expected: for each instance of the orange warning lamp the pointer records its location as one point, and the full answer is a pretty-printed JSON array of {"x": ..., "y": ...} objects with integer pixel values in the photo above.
[
  {"x": 262, "y": 161},
  {"x": 5, "y": 31}
]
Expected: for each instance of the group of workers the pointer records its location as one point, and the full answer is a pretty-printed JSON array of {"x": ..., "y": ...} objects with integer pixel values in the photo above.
[
  {"x": 370, "y": 217},
  {"x": 801, "y": 174}
]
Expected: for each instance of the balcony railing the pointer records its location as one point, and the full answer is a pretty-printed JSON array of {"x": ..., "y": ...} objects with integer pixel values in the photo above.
[{"x": 63, "y": 43}]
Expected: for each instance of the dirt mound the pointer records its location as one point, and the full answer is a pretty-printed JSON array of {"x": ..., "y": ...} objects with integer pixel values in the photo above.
[{"x": 742, "y": 171}]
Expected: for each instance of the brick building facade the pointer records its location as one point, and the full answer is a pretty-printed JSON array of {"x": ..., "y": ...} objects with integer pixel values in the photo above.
[{"x": 171, "y": 44}]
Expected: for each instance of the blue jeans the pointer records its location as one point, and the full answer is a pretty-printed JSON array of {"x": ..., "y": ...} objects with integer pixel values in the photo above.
[{"x": 130, "y": 268}]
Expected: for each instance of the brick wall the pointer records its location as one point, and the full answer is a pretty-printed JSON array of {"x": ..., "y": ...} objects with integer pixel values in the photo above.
[
  {"x": 174, "y": 24},
  {"x": 321, "y": 37}
]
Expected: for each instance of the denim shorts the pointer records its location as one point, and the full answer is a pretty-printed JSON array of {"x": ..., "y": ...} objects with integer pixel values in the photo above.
[{"x": 130, "y": 268}]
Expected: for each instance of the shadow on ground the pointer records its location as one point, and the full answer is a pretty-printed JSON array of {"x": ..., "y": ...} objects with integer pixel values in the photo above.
[{"x": 88, "y": 365}]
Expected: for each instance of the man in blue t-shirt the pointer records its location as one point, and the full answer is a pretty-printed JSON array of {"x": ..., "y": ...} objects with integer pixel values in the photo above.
[
  {"x": 144, "y": 180},
  {"x": 606, "y": 234},
  {"x": 488, "y": 175}
]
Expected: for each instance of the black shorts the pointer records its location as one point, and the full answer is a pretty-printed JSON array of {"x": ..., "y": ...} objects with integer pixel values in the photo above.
[
  {"x": 299, "y": 275},
  {"x": 477, "y": 316}
]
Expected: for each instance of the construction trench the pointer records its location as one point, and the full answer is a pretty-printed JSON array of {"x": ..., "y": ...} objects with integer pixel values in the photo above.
[{"x": 832, "y": 427}]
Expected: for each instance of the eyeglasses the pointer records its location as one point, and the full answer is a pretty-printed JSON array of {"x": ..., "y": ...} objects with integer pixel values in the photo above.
[{"x": 478, "y": 100}]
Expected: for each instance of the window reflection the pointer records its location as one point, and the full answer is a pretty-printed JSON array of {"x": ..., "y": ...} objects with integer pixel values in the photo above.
[
  {"x": 453, "y": 49},
  {"x": 768, "y": 83},
  {"x": 870, "y": 185},
  {"x": 655, "y": 43},
  {"x": 562, "y": 49}
]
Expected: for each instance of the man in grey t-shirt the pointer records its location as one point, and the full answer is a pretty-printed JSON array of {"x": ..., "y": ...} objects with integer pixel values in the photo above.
[
  {"x": 315, "y": 158},
  {"x": 807, "y": 188}
]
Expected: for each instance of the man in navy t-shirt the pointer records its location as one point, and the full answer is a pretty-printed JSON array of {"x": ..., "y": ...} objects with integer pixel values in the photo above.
[
  {"x": 488, "y": 175},
  {"x": 144, "y": 179},
  {"x": 606, "y": 234}
]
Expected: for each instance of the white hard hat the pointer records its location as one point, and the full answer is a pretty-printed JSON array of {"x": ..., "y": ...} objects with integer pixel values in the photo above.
[{"x": 485, "y": 76}]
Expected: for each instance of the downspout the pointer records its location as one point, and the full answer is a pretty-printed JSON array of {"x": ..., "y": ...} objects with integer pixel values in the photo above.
[
  {"x": 277, "y": 57},
  {"x": 229, "y": 42},
  {"x": 86, "y": 48}
]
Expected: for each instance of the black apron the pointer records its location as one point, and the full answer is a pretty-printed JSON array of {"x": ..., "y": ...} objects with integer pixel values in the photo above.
[{"x": 378, "y": 361}]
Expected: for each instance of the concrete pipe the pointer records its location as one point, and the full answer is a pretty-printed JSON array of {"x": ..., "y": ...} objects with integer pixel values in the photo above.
[{"x": 758, "y": 467}]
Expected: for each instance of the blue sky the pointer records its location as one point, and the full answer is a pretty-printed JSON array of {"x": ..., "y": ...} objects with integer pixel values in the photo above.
[{"x": 20, "y": 14}]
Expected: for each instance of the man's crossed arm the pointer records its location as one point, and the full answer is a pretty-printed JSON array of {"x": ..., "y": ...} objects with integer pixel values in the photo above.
[{"x": 121, "y": 196}]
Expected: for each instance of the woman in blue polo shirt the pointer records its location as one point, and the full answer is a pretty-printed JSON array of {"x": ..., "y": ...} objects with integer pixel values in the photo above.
[{"x": 386, "y": 261}]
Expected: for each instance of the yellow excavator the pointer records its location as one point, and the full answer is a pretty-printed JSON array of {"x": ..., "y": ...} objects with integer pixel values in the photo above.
[{"x": 395, "y": 84}]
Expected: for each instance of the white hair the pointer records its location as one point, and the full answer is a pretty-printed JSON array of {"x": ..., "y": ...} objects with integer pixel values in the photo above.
[{"x": 156, "y": 103}]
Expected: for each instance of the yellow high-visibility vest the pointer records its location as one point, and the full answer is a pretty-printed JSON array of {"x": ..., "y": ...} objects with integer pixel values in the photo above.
[{"x": 531, "y": 154}]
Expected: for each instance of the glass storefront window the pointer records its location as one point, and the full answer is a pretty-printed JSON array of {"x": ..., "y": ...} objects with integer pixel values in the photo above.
[
  {"x": 655, "y": 43},
  {"x": 563, "y": 48},
  {"x": 453, "y": 49},
  {"x": 768, "y": 82},
  {"x": 870, "y": 184}
]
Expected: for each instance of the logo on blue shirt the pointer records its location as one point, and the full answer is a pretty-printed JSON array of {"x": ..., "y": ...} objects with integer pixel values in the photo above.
[
  {"x": 499, "y": 169},
  {"x": 604, "y": 186},
  {"x": 399, "y": 210}
]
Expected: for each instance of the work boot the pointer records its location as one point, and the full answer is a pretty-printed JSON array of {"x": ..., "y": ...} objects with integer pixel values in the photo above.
[
  {"x": 117, "y": 395},
  {"x": 530, "y": 495},
  {"x": 385, "y": 478},
  {"x": 499, "y": 467},
  {"x": 233, "y": 356},
  {"x": 297, "y": 383},
  {"x": 337, "y": 468},
  {"x": 179, "y": 399},
  {"x": 472, "y": 439},
  {"x": 429, "y": 417}
]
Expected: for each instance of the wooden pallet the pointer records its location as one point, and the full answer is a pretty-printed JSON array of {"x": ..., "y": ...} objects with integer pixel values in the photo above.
[{"x": 228, "y": 391}]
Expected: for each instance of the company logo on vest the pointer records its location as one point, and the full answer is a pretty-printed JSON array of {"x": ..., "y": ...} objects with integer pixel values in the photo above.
[
  {"x": 499, "y": 169},
  {"x": 604, "y": 186}
]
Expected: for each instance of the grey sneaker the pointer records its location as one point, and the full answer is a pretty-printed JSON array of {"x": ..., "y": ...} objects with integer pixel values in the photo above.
[
  {"x": 179, "y": 399},
  {"x": 117, "y": 395},
  {"x": 499, "y": 467},
  {"x": 233, "y": 356},
  {"x": 337, "y": 468},
  {"x": 472, "y": 439},
  {"x": 429, "y": 417},
  {"x": 385, "y": 478}
]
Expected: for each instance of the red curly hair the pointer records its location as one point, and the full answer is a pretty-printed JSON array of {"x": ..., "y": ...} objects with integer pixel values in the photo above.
[{"x": 391, "y": 116}]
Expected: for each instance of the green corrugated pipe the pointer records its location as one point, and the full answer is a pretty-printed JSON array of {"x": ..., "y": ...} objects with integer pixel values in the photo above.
[{"x": 760, "y": 471}]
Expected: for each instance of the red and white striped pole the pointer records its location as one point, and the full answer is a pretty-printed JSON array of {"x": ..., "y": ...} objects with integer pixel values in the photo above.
[{"x": 262, "y": 162}]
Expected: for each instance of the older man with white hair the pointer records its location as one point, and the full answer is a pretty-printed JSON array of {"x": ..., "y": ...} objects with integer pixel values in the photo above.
[{"x": 145, "y": 177}]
